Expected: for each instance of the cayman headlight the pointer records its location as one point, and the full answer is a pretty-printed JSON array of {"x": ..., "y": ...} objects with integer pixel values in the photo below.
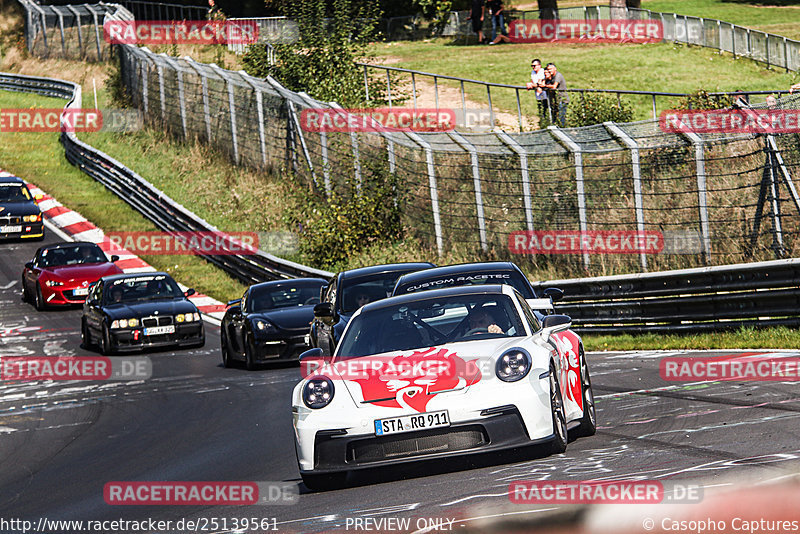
[
  {"x": 513, "y": 365},
  {"x": 53, "y": 283},
  {"x": 318, "y": 393},
  {"x": 265, "y": 326}
]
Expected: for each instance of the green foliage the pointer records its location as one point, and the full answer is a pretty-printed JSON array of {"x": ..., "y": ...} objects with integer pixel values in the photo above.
[
  {"x": 117, "y": 91},
  {"x": 336, "y": 229},
  {"x": 323, "y": 61},
  {"x": 596, "y": 108},
  {"x": 703, "y": 100},
  {"x": 438, "y": 10}
]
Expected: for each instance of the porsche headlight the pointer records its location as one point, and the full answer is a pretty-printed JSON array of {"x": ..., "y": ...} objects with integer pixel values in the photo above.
[
  {"x": 513, "y": 365},
  {"x": 265, "y": 326},
  {"x": 318, "y": 393},
  {"x": 53, "y": 283}
]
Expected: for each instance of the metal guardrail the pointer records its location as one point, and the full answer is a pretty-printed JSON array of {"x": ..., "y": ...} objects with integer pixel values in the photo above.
[
  {"x": 687, "y": 300},
  {"x": 145, "y": 198}
]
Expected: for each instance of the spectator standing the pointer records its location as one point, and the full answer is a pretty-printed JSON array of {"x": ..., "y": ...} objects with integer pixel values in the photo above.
[
  {"x": 537, "y": 83},
  {"x": 556, "y": 93},
  {"x": 496, "y": 12},
  {"x": 476, "y": 16}
]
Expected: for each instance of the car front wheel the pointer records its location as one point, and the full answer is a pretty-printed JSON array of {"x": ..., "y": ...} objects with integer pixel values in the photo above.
[
  {"x": 105, "y": 341},
  {"x": 560, "y": 436},
  {"x": 588, "y": 425},
  {"x": 38, "y": 299}
]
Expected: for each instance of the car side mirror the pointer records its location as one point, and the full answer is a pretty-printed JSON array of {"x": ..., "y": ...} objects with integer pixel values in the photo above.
[
  {"x": 29, "y": 265},
  {"x": 312, "y": 360},
  {"x": 554, "y": 293},
  {"x": 190, "y": 292},
  {"x": 114, "y": 258},
  {"x": 555, "y": 323},
  {"x": 324, "y": 312}
]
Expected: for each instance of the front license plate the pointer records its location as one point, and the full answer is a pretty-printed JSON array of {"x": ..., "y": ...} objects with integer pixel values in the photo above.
[
  {"x": 81, "y": 292},
  {"x": 10, "y": 229},
  {"x": 158, "y": 330},
  {"x": 411, "y": 423}
]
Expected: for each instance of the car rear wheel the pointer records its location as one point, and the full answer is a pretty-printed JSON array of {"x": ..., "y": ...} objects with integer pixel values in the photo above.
[
  {"x": 588, "y": 425},
  {"x": 105, "y": 341},
  {"x": 226, "y": 355},
  {"x": 38, "y": 299},
  {"x": 86, "y": 339},
  {"x": 324, "y": 482},
  {"x": 559, "y": 443}
]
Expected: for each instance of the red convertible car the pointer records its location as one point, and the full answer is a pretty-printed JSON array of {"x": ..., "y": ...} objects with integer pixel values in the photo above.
[{"x": 61, "y": 274}]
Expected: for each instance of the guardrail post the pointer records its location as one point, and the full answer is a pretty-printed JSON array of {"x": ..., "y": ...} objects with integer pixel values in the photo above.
[
  {"x": 526, "y": 182},
  {"x": 575, "y": 149},
  {"x": 702, "y": 203},
  {"x": 181, "y": 95},
  {"x": 637, "y": 183},
  {"x": 232, "y": 106},
  {"x": 437, "y": 223},
  {"x": 476, "y": 180},
  {"x": 262, "y": 139},
  {"x": 204, "y": 88}
]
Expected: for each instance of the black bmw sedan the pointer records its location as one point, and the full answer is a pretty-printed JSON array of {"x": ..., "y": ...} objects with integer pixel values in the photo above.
[
  {"x": 129, "y": 312},
  {"x": 269, "y": 322}
]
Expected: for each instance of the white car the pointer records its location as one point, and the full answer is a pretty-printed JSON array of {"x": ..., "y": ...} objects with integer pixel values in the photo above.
[{"x": 446, "y": 372}]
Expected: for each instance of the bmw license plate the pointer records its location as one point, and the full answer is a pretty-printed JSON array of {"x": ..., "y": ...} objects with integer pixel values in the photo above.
[
  {"x": 81, "y": 292},
  {"x": 411, "y": 423},
  {"x": 10, "y": 229},
  {"x": 158, "y": 330}
]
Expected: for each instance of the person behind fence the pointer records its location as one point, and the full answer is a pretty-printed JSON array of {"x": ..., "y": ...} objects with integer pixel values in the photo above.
[
  {"x": 557, "y": 95},
  {"x": 496, "y": 12},
  {"x": 537, "y": 83},
  {"x": 476, "y": 16}
]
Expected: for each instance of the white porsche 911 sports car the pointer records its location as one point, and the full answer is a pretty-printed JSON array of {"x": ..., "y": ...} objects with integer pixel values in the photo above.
[{"x": 446, "y": 372}]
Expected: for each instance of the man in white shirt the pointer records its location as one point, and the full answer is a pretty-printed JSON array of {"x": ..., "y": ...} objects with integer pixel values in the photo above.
[{"x": 537, "y": 82}]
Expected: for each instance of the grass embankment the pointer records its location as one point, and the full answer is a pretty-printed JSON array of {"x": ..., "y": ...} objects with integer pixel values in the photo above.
[{"x": 746, "y": 338}]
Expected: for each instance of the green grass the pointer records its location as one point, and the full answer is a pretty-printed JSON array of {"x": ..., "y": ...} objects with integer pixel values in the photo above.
[
  {"x": 746, "y": 338},
  {"x": 39, "y": 158}
]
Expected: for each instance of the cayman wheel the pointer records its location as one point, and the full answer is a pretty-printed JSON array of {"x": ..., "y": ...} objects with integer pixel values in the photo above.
[
  {"x": 588, "y": 425},
  {"x": 226, "y": 355},
  {"x": 324, "y": 482},
  {"x": 105, "y": 342},
  {"x": 38, "y": 299},
  {"x": 559, "y": 443}
]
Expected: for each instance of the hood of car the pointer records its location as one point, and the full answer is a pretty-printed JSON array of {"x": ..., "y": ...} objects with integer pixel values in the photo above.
[
  {"x": 410, "y": 379},
  {"x": 140, "y": 309},
  {"x": 19, "y": 209},
  {"x": 78, "y": 273},
  {"x": 294, "y": 318}
]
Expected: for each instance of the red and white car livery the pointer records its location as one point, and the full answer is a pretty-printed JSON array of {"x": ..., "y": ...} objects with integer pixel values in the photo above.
[
  {"x": 439, "y": 373},
  {"x": 61, "y": 274}
]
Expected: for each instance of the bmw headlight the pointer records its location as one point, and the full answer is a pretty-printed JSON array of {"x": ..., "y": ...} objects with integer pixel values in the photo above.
[
  {"x": 187, "y": 317},
  {"x": 318, "y": 393},
  {"x": 513, "y": 365},
  {"x": 53, "y": 283},
  {"x": 32, "y": 218},
  {"x": 125, "y": 323},
  {"x": 265, "y": 326}
]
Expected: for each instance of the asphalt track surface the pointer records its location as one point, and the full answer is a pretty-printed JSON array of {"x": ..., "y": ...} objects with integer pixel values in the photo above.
[{"x": 60, "y": 442}]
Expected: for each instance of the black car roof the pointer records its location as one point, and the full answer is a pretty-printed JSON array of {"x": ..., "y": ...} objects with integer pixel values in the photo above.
[
  {"x": 388, "y": 268},
  {"x": 11, "y": 180},
  {"x": 487, "y": 289},
  {"x": 278, "y": 283},
  {"x": 461, "y": 268},
  {"x": 113, "y": 277}
]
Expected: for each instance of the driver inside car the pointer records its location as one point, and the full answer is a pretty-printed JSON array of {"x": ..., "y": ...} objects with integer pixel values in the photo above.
[{"x": 481, "y": 321}]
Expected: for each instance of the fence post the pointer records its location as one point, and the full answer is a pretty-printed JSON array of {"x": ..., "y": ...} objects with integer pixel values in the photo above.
[
  {"x": 61, "y": 29},
  {"x": 519, "y": 110},
  {"x": 700, "y": 163},
  {"x": 777, "y": 227},
  {"x": 262, "y": 138},
  {"x": 437, "y": 223},
  {"x": 655, "y": 113},
  {"x": 414, "y": 89},
  {"x": 204, "y": 88},
  {"x": 44, "y": 28},
  {"x": 476, "y": 180},
  {"x": 77, "y": 15},
  {"x": 526, "y": 182},
  {"x": 232, "y": 106},
  {"x": 366, "y": 83},
  {"x": 575, "y": 149},
  {"x": 389, "y": 87},
  {"x": 181, "y": 94},
  {"x": 299, "y": 130},
  {"x": 749, "y": 45},
  {"x": 637, "y": 183},
  {"x": 160, "y": 69},
  {"x": 784, "y": 171},
  {"x": 145, "y": 87},
  {"x": 96, "y": 32},
  {"x": 323, "y": 137},
  {"x": 786, "y": 54},
  {"x": 491, "y": 109},
  {"x": 733, "y": 40},
  {"x": 356, "y": 156}
]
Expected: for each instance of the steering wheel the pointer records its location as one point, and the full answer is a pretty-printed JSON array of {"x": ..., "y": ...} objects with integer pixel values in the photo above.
[
  {"x": 479, "y": 330},
  {"x": 437, "y": 336}
]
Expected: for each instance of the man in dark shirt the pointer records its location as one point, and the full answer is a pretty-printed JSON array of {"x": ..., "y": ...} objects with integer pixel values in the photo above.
[
  {"x": 556, "y": 87},
  {"x": 496, "y": 12},
  {"x": 476, "y": 16}
]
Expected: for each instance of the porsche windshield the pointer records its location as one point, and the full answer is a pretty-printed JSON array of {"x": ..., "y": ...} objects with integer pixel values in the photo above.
[
  {"x": 141, "y": 288},
  {"x": 262, "y": 299},
  {"x": 428, "y": 322},
  {"x": 14, "y": 192},
  {"x": 72, "y": 255}
]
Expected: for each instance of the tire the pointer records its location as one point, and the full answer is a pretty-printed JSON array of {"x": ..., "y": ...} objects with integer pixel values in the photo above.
[
  {"x": 226, "y": 355},
  {"x": 26, "y": 297},
  {"x": 38, "y": 299},
  {"x": 250, "y": 363},
  {"x": 86, "y": 338},
  {"x": 105, "y": 342},
  {"x": 324, "y": 482},
  {"x": 588, "y": 424},
  {"x": 560, "y": 435}
]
